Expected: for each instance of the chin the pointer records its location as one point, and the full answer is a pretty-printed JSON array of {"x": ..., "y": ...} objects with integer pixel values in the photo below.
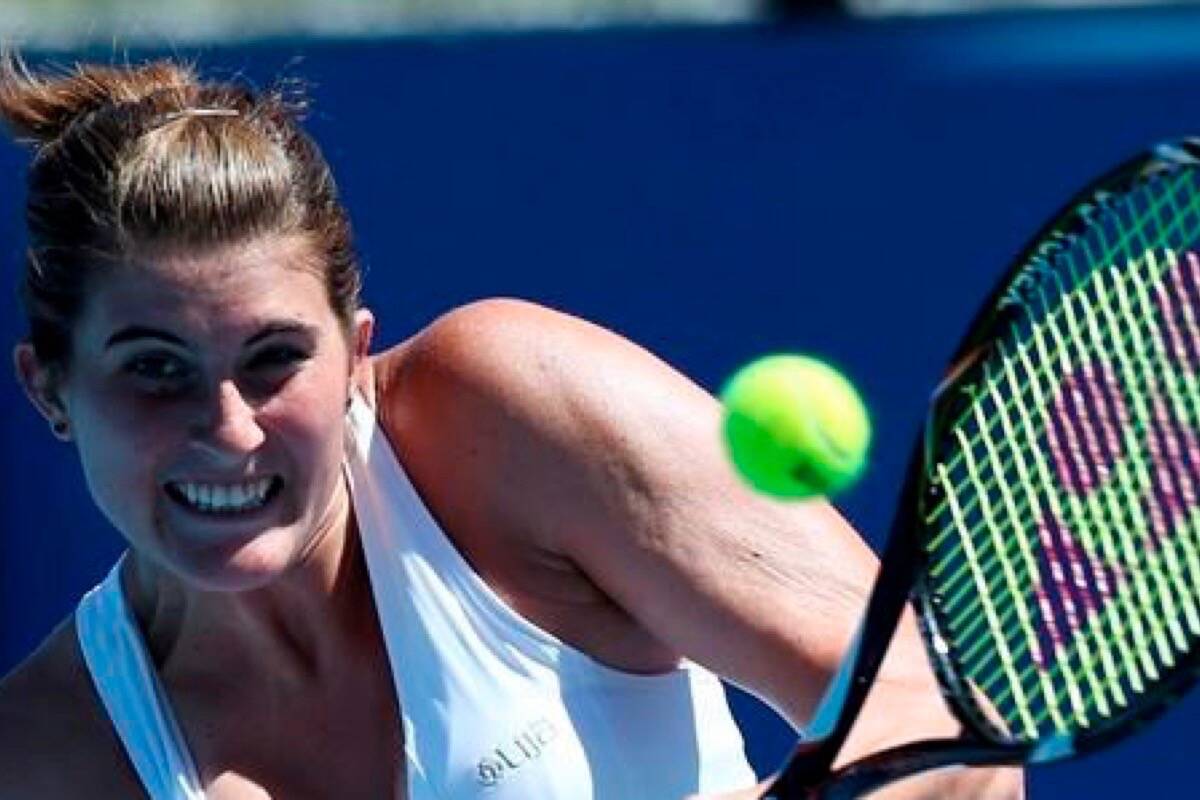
[{"x": 236, "y": 564}]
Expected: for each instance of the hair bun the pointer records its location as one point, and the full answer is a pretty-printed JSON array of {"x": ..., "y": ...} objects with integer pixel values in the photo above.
[{"x": 39, "y": 108}]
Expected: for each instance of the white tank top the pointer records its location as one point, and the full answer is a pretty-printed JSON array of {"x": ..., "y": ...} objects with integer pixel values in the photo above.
[{"x": 493, "y": 707}]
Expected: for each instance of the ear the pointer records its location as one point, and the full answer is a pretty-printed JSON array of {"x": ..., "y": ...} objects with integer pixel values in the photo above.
[
  {"x": 41, "y": 386},
  {"x": 360, "y": 354},
  {"x": 364, "y": 329}
]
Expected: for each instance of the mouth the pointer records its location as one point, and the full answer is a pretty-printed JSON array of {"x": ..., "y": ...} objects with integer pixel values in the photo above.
[{"x": 224, "y": 499}]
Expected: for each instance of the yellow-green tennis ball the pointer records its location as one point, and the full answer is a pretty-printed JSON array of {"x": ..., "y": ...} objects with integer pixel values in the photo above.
[{"x": 795, "y": 427}]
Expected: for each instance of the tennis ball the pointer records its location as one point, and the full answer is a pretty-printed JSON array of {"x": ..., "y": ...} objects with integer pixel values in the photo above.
[{"x": 794, "y": 426}]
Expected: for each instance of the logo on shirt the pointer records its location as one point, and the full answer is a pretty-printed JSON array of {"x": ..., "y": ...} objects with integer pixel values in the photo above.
[{"x": 511, "y": 755}]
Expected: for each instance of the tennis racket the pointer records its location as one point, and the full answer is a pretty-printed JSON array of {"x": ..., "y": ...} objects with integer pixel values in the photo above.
[{"x": 1048, "y": 534}]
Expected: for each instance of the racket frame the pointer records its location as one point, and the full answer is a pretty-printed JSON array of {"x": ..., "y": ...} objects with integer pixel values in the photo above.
[{"x": 807, "y": 774}]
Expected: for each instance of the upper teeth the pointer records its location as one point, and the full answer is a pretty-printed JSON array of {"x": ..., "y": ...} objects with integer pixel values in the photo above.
[{"x": 215, "y": 496}]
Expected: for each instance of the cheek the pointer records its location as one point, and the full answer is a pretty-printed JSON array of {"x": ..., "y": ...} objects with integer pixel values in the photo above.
[
  {"x": 116, "y": 428},
  {"x": 119, "y": 453},
  {"x": 311, "y": 421}
]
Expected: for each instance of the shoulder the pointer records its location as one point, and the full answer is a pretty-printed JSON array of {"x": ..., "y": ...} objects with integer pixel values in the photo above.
[
  {"x": 476, "y": 402},
  {"x": 55, "y": 741},
  {"x": 536, "y": 414},
  {"x": 529, "y": 363},
  {"x": 534, "y": 436},
  {"x": 485, "y": 343}
]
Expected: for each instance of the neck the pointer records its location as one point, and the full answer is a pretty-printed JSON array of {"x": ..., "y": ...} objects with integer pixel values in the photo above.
[{"x": 307, "y": 624}]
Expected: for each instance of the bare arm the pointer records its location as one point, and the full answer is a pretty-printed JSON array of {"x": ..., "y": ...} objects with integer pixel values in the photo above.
[{"x": 614, "y": 461}]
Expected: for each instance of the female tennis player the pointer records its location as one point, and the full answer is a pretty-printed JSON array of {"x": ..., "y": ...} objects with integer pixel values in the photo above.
[{"x": 502, "y": 559}]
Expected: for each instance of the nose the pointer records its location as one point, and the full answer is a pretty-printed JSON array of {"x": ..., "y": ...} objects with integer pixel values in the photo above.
[{"x": 227, "y": 424}]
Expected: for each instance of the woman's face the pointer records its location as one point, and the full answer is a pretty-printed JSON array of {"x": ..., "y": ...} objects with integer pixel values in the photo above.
[{"x": 207, "y": 395}]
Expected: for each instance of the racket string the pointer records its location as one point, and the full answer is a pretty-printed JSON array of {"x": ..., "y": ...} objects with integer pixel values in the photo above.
[
  {"x": 1025, "y": 339},
  {"x": 1062, "y": 559},
  {"x": 1091, "y": 593}
]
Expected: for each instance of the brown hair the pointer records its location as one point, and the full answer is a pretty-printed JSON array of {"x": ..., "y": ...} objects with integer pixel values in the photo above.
[{"x": 148, "y": 158}]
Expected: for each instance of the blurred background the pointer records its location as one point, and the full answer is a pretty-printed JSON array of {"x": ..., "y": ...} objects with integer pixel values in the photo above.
[{"x": 714, "y": 179}]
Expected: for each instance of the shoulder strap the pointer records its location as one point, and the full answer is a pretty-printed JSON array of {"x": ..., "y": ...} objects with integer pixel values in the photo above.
[{"x": 116, "y": 659}]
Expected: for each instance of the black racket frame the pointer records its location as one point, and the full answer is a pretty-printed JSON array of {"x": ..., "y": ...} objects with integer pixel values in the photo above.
[{"x": 807, "y": 774}]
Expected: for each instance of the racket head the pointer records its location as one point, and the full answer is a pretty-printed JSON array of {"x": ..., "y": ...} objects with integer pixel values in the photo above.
[{"x": 1056, "y": 509}]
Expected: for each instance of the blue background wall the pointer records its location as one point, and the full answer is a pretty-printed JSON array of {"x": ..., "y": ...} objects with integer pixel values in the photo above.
[{"x": 842, "y": 188}]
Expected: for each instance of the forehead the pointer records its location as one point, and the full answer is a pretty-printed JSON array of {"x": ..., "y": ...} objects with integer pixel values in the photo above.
[{"x": 230, "y": 289}]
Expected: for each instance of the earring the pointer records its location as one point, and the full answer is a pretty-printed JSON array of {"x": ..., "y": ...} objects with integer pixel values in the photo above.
[{"x": 59, "y": 428}]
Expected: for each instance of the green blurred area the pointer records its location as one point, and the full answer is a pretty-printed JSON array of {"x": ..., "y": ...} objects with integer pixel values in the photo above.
[{"x": 71, "y": 23}]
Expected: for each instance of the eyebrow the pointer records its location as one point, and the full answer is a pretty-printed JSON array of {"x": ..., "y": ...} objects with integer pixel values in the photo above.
[{"x": 135, "y": 332}]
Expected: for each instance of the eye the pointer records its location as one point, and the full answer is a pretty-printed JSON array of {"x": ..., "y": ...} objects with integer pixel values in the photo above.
[
  {"x": 278, "y": 356},
  {"x": 158, "y": 371}
]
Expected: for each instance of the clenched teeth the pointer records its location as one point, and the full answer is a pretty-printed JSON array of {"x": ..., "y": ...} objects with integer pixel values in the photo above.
[{"x": 215, "y": 497}]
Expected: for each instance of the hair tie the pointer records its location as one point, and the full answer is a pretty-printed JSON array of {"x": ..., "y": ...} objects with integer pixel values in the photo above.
[{"x": 198, "y": 112}]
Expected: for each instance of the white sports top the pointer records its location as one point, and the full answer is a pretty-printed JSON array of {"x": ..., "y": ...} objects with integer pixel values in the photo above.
[{"x": 493, "y": 707}]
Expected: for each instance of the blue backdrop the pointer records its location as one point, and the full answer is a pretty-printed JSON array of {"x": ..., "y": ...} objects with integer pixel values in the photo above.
[{"x": 848, "y": 189}]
